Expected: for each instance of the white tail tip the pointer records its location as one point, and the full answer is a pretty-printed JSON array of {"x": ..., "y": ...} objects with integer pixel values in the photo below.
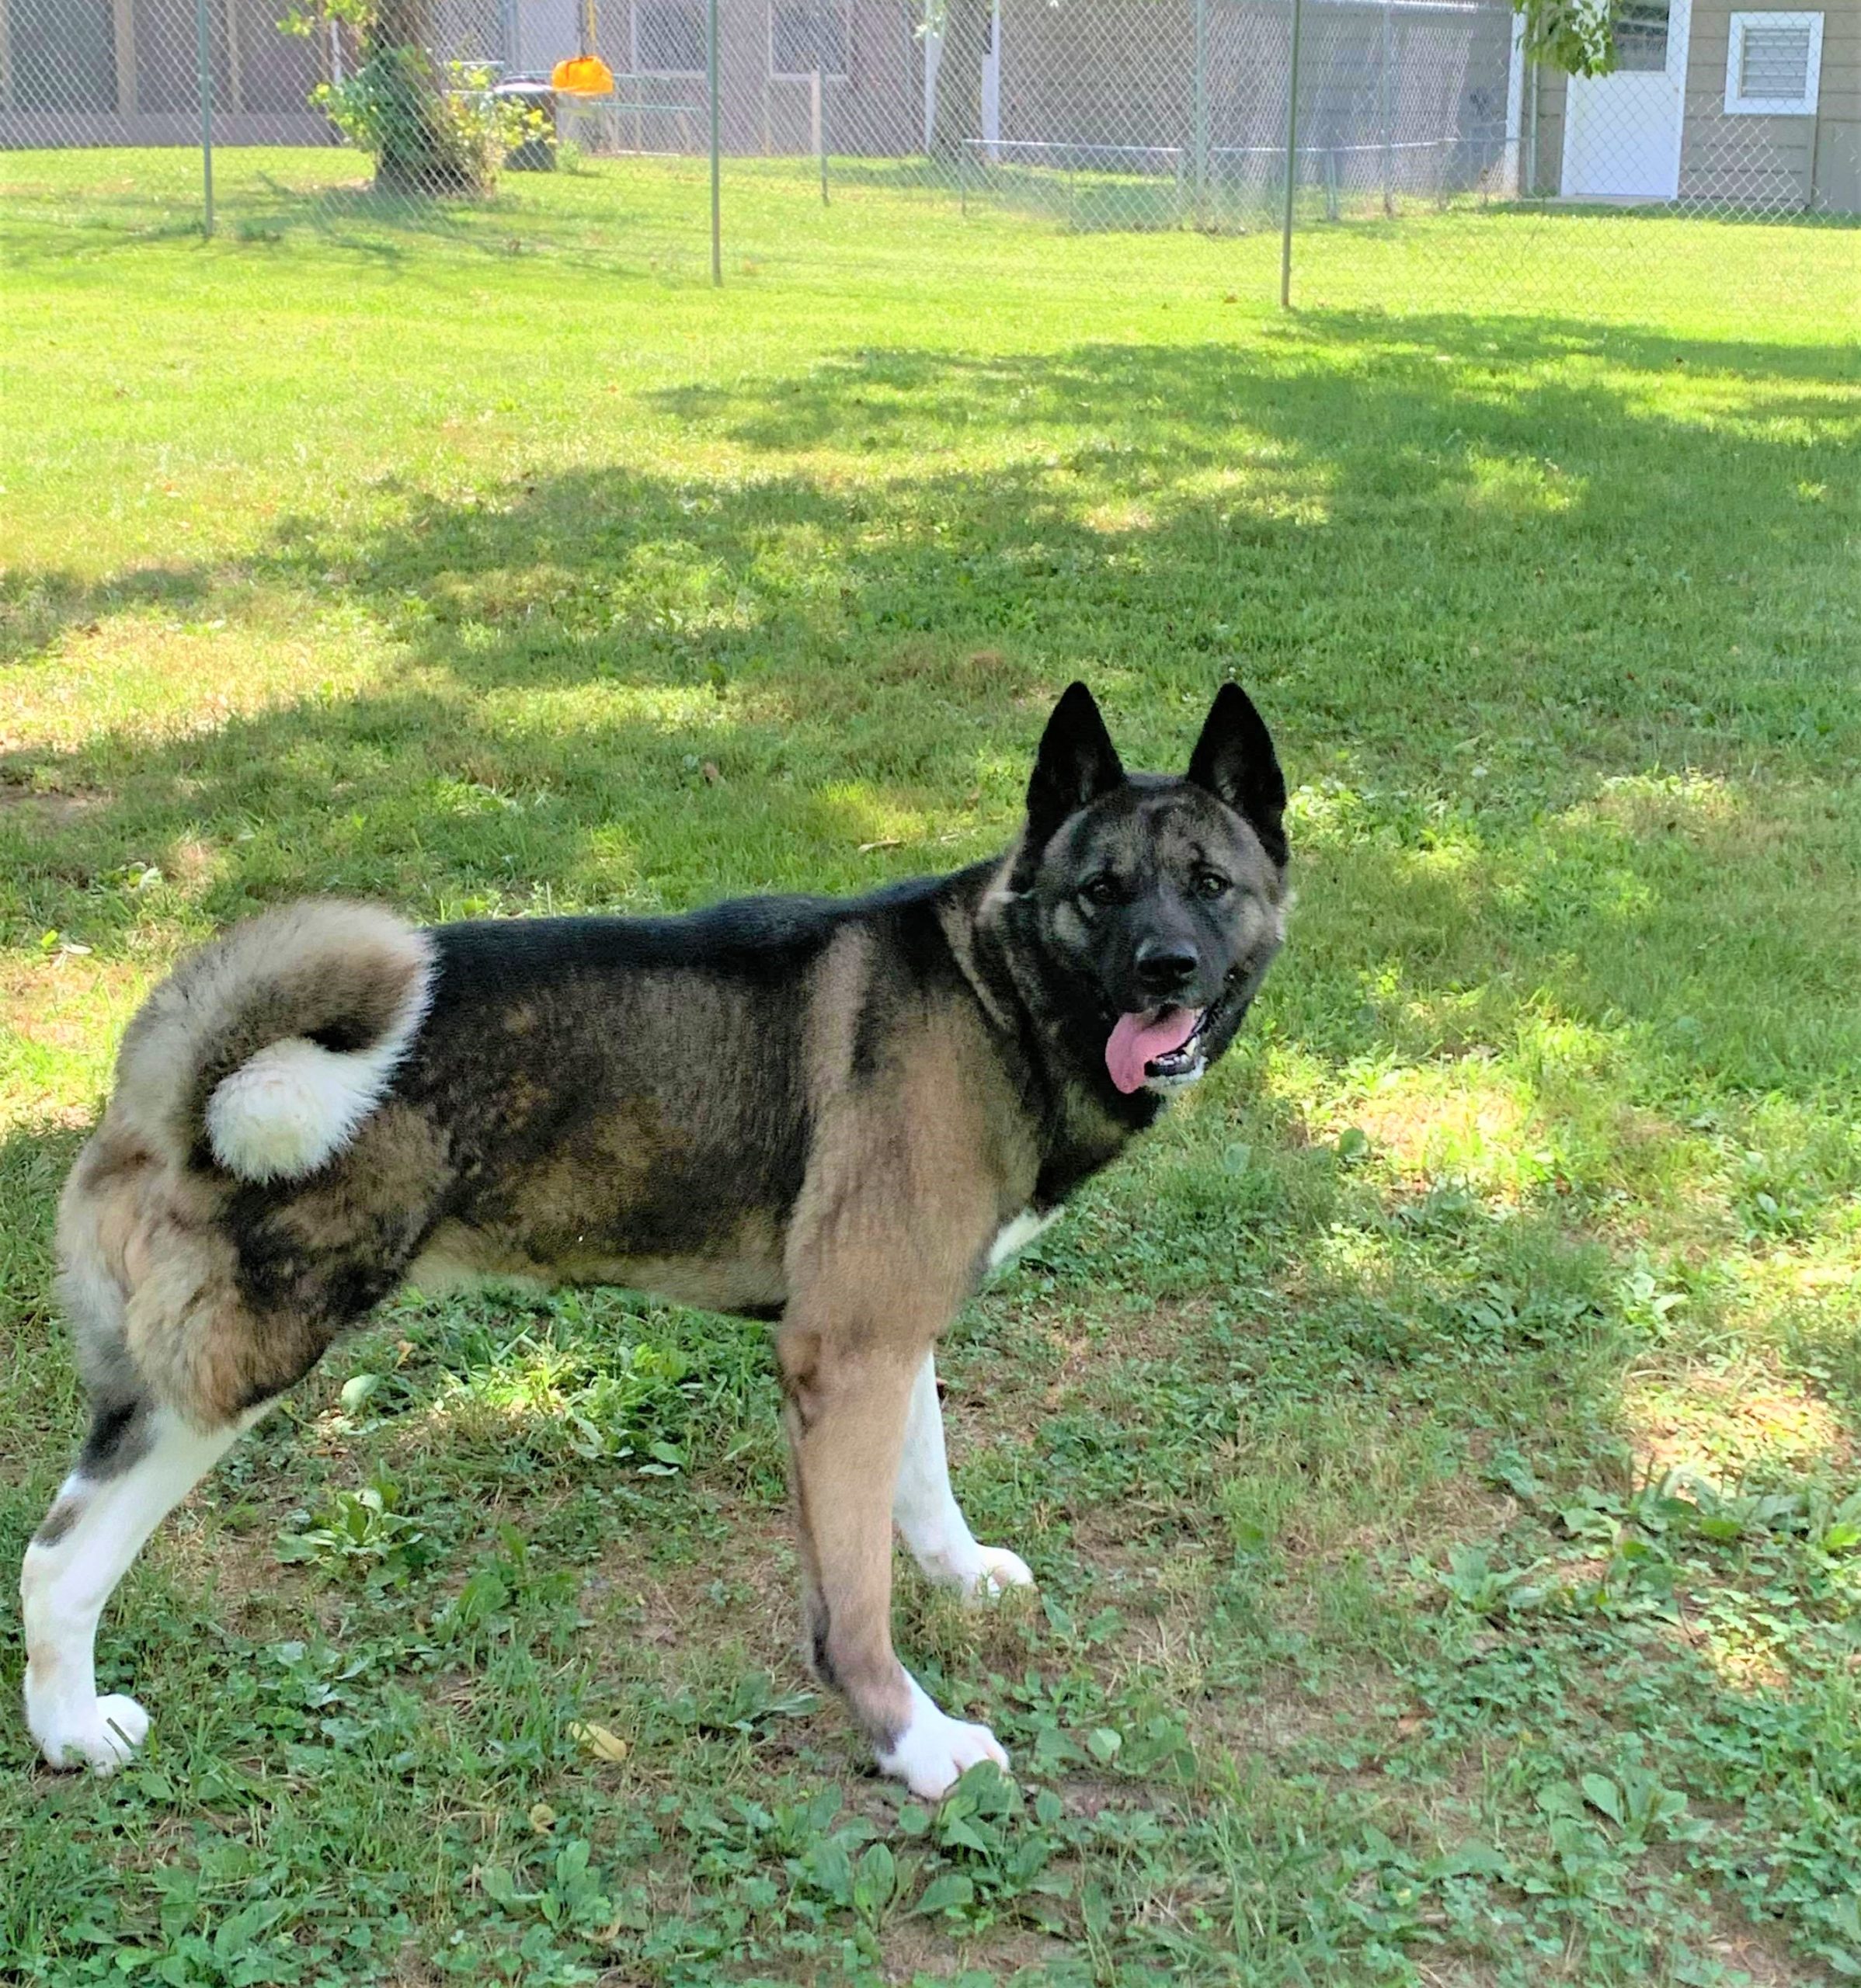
[{"x": 295, "y": 1105}]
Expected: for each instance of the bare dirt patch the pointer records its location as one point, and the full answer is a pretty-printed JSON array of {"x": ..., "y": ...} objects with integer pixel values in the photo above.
[
  {"x": 46, "y": 805},
  {"x": 1731, "y": 1424}
]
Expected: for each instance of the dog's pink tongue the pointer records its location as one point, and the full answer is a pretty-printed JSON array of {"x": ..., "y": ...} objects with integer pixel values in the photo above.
[{"x": 1140, "y": 1039}]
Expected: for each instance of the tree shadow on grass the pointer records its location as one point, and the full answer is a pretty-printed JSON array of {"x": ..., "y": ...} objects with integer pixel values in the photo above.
[
  {"x": 36, "y": 609},
  {"x": 1493, "y": 619},
  {"x": 1358, "y": 469},
  {"x": 1337, "y": 507},
  {"x": 1470, "y": 595}
]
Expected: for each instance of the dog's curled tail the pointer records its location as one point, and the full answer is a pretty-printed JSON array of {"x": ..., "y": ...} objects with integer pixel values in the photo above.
[{"x": 263, "y": 1052}]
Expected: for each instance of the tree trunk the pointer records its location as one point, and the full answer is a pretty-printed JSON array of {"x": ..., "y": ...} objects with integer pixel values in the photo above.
[
  {"x": 420, "y": 149},
  {"x": 958, "y": 113}
]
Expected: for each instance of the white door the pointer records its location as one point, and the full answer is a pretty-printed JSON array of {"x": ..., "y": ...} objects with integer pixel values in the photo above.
[{"x": 1622, "y": 131}]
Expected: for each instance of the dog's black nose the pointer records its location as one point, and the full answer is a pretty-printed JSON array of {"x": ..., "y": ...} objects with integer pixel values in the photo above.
[{"x": 1164, "y": 966}]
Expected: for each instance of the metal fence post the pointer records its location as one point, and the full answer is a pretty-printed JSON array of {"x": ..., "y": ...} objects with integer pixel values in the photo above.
[
  {"x": 1286, "y": 237},
  {"x": 1385, "y": 81},
  {"x": 1531, "y": 157},
  {"x": 203, "y": 38},
  {"x": 817, "y": 109},
  {"x": 1200, "y": 114},
  {"x": 717, "y": 203}
]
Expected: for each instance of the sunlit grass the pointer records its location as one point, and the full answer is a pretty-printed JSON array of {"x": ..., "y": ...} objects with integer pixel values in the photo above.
[{"x": 492, "y": 564}]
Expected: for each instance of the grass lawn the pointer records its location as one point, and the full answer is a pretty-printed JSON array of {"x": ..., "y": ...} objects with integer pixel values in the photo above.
[{"x": 1436, "y": 1447}]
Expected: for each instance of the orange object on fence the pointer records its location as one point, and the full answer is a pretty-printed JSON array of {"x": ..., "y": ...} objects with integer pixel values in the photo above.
[{"x": 582, "y": 75}]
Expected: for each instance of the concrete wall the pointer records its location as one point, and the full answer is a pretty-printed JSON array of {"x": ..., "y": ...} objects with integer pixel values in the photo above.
[
  {"x": 127, "y": 72},
  {"x": 1430, "y": 110}
]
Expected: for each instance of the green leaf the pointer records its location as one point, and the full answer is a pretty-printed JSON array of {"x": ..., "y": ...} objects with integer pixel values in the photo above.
[
  {"x": 501, "y": 1888},
  {"x": 874, "y": 1881},
  {"x": 832, "y": 1871},
  {"x": 1471, "y": 1859},
  {"x": 1602, "y": 1793},
  {"x": 949, "y": 1892},
  {"x": 356, "y": 1391}
]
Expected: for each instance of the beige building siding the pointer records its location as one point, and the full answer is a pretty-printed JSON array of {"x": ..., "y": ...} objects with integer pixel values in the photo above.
[
  {"x": 1740, "y": 161},
  {"x": 1771, "y": 163},
  {"x": 1837, "y": 154}
]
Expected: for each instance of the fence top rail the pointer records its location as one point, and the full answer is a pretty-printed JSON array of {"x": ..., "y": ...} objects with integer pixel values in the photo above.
[
  {"x": 1454, "y": 7},
  {"x": 1073, "y": 145},
  {"x": 1372, "y": 145}
]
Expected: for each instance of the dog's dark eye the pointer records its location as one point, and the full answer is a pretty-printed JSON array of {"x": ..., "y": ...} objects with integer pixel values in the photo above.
[
  {"x": 1211, "y": 883},
  {"x": 1102, "y": 891}
]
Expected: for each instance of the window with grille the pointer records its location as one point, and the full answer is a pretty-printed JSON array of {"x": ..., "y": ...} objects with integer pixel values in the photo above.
[
  {"x": 1641, "y": 31},
  {"x": 803, "y": 36},
  {"x": 669, "y": 37},
  {"x": 1773, "y": 67}
]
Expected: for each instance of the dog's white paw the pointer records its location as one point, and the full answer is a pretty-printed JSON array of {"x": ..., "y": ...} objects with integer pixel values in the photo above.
[
  {"x": 996, "y": 1571},
  {"x": 978, "y": 1573},
  {"x": 101, "y": 1736},
  {"x": 932, "y": 1751}
]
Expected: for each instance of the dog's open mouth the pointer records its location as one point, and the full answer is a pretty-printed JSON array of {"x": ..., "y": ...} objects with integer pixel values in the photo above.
[{"x": 1160, "y": 1045}]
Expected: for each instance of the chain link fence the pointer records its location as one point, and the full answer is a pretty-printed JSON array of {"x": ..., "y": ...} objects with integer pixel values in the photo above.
[{"x": 1352, "y": 129}]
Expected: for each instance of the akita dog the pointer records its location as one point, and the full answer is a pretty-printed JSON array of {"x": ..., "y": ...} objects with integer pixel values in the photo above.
[{"x": 834, "y": 1115}]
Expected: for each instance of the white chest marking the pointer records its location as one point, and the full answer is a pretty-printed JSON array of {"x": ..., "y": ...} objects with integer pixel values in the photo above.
[{"x": 1013, "y": 1237}]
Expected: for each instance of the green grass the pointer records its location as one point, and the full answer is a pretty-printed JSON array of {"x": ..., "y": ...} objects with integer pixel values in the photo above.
[{"x": 1436, "y": 1449}]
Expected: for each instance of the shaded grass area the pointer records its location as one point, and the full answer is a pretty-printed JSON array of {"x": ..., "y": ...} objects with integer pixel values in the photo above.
[{"x": 1435, "y": 1448}]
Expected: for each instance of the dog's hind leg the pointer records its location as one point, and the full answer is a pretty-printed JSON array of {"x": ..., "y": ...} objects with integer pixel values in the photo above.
[
  {"x": 924, "y": 1508},
  {"x": 141, "y": 1460},
  {"x": 177, "y": 1367}
]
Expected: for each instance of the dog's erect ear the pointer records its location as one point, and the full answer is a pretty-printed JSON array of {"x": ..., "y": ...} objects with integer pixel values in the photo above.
[
  {"x": 1075, "y": 764},
  {"x": 1234, "y": 759}
]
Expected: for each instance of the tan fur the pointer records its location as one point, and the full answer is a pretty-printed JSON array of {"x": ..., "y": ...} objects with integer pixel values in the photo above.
[
  {"x": 146, "y": 1238},
  {"x": 148, "y": 1270},
  {"x": 884, "y": 1247},
  {"x": 287, "y": 972},
  {"x": 744, "y": 1269}
]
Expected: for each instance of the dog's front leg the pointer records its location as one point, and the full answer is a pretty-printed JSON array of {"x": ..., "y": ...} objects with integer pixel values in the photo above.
[{"x": 847, "y": 1391}]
